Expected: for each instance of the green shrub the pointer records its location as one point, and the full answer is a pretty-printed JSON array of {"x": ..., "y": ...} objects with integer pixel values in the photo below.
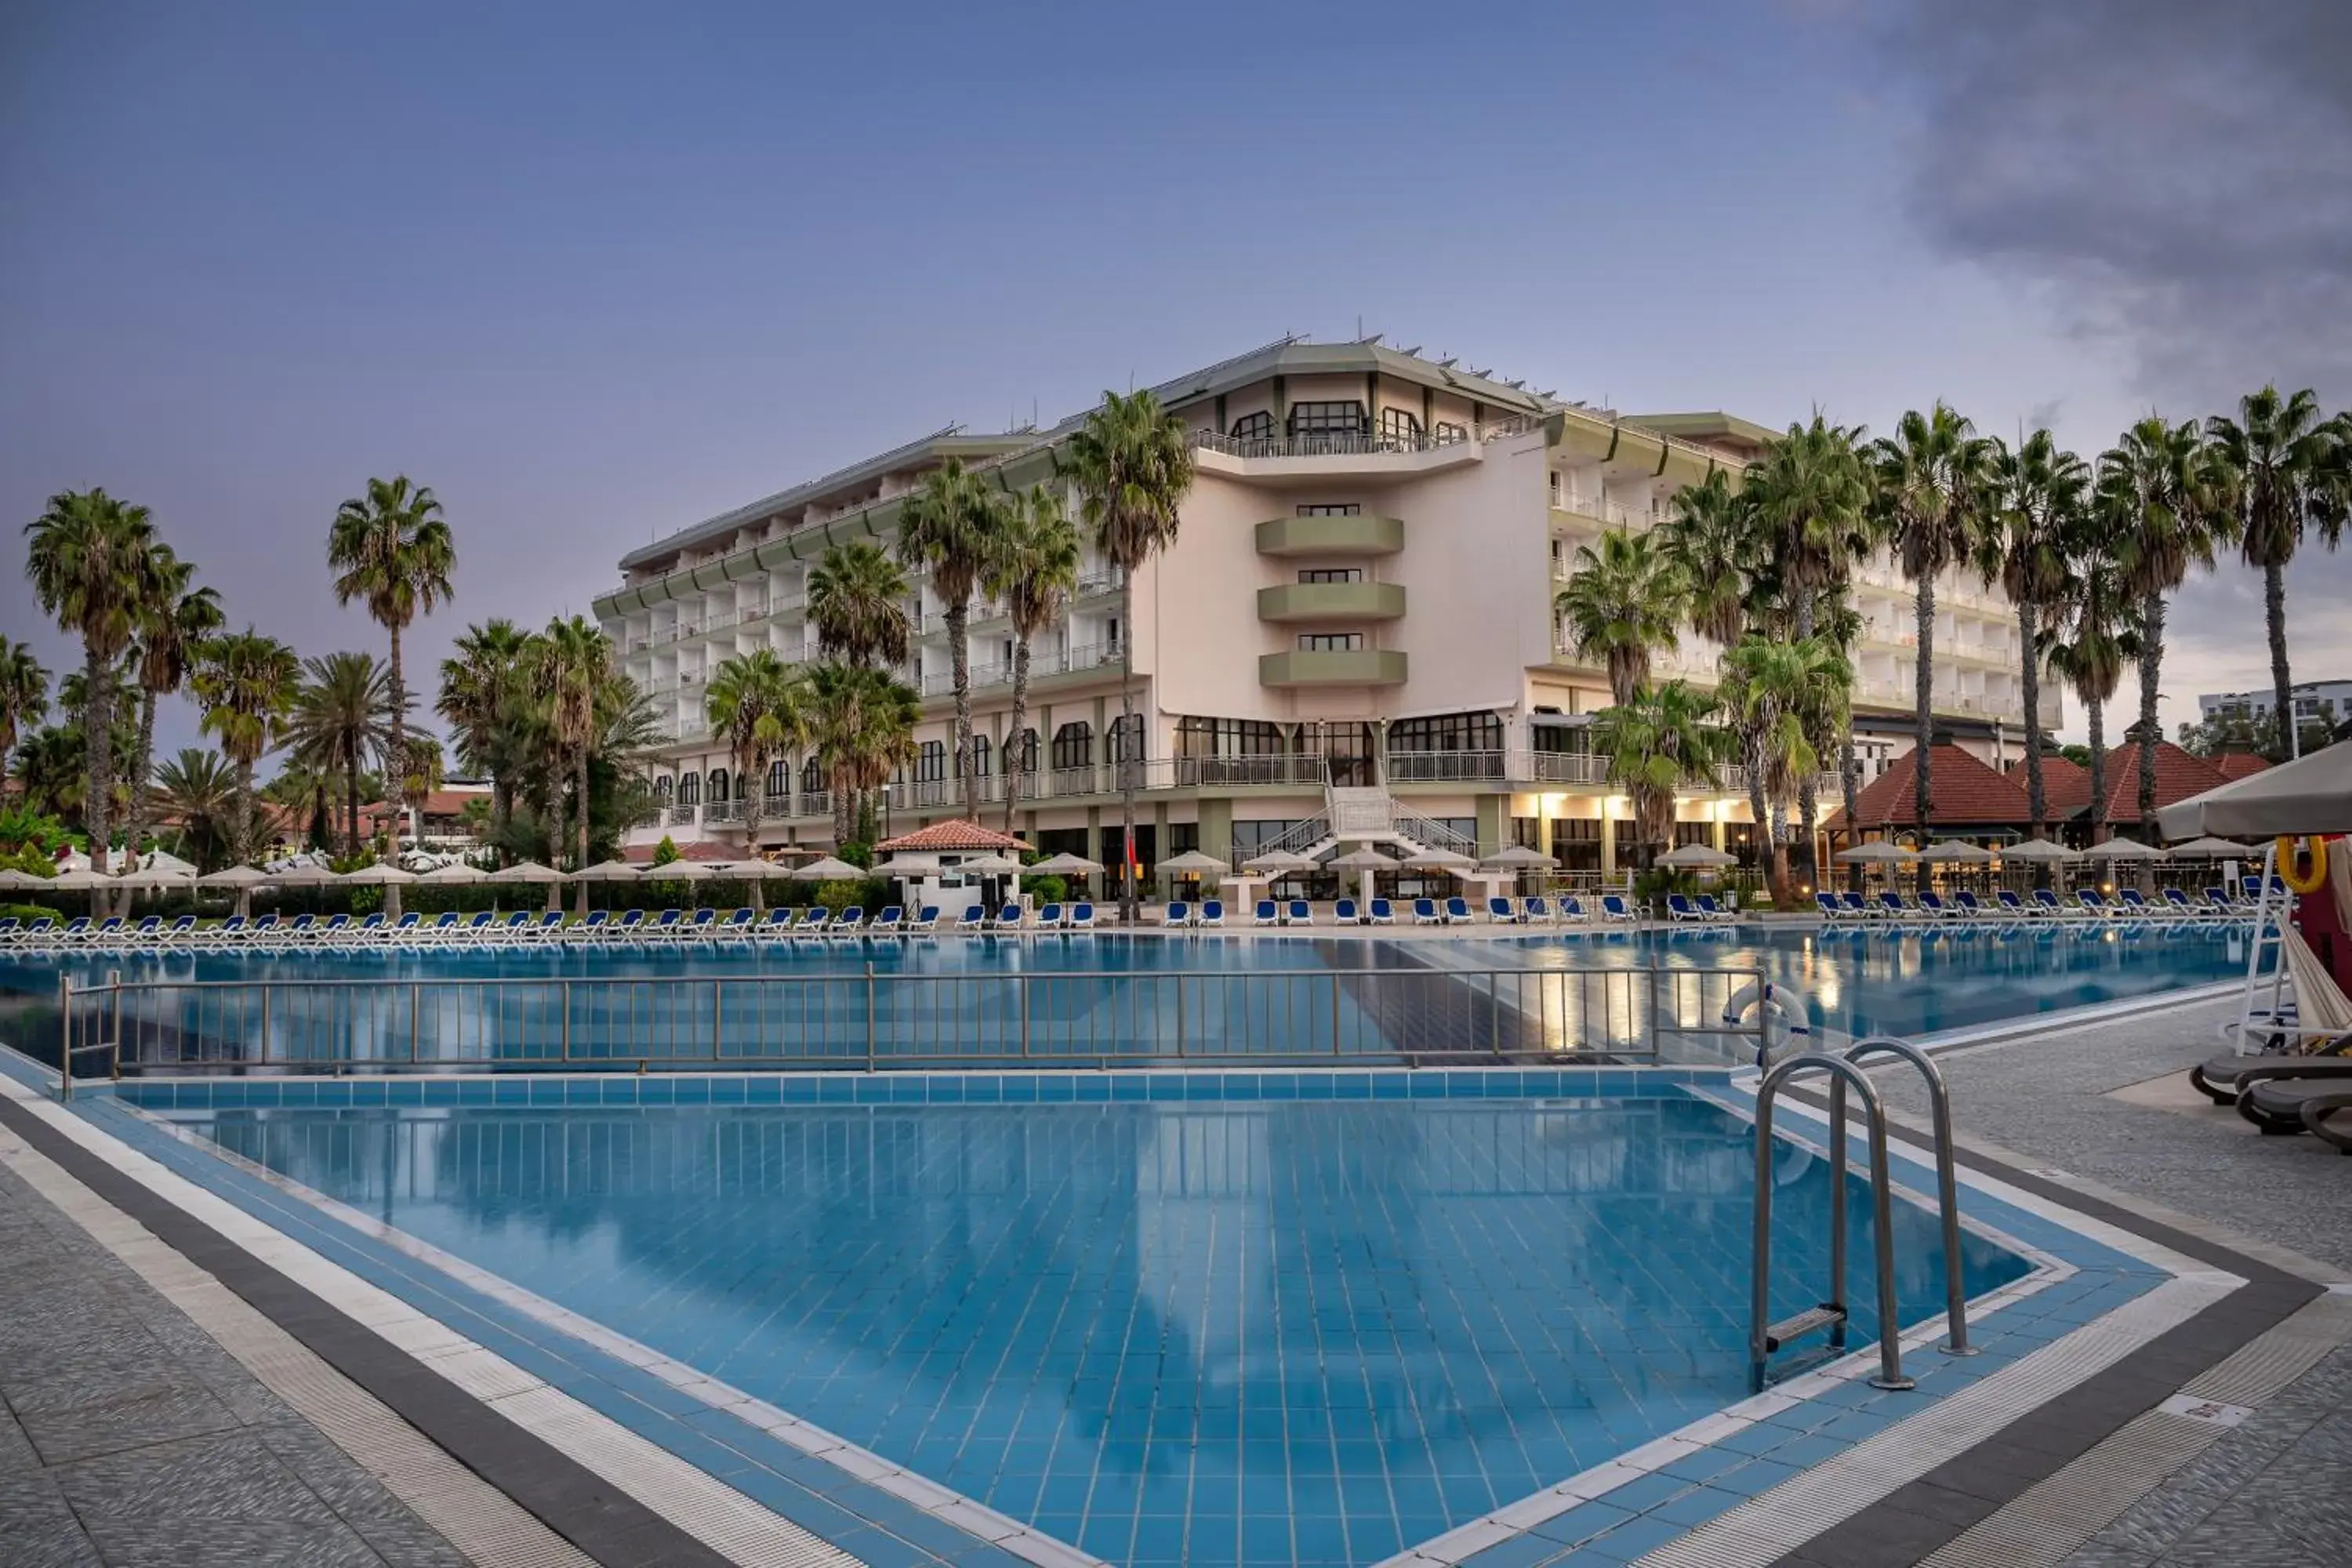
[
  {"x": 31, "y": 915},
  {"x": 1046, "y": 889},
  {"x": 666, "y": 853}
]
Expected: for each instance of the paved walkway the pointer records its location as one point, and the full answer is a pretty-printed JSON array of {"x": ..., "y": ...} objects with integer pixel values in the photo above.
[
  {"x": 130, "y": 1436},
  {"x": 2110, "y": 1103}
]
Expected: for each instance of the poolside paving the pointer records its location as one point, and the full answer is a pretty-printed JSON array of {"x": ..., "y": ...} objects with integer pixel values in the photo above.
[
  {"x": 128, "y": 1436},
  {"x": 2109, "y": 1103}
]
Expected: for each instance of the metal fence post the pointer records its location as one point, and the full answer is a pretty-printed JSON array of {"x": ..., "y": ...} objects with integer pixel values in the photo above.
[
  {"x": 1023, "y": 982},
  {"x": 869, "y": 1015},
  {"x": 1334, "y": 1013},
  {"x": 65, "y": 1037},
  {"x": 114, "y": 978},
  {"x": 567, "y": 1020},
  {"x": 264, "y": 1023},
  {"x": 717, "y": 992},
  {"x": 416, "y": 1021}
]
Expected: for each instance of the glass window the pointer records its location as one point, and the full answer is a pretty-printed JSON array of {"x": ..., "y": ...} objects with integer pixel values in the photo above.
[
  {"x": 1398, "y": 428},
  {"x": 689, "y": 789},
  {"x": 1330, "y": 642},
  {"x": 1447, "y": 732},
  {"x": 1074, "y": 745},
  {"x": 1447, "y": 433},
  {"x": 662, "y": 786},
  {"x": 1126, "y": 740},
  {"x": 779, "y": 777},
  {"x": 812, "y": 775},
  {"x": 1029, "y": 751},
  {"x": 1312, "y": 421},
  {"x": 1199, "y": 737},
  {"x": 1259, "y": 427},
  {"x": 717, "y": 785},
  {"x": 1251, "y": 838},
  {"x": 1331, "y": 575},
  {"x": 1331, "y": 509},
  {"x": 980, "y": 756},
  {"x": 930, "y": 762}
]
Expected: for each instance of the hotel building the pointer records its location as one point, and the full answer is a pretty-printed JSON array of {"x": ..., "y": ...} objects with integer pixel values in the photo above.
[{"x": 1359, "y": 599}]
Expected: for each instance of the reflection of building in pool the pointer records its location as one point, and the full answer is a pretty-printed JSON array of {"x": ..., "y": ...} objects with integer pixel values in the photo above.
[{"x": 1360, "y": 595}]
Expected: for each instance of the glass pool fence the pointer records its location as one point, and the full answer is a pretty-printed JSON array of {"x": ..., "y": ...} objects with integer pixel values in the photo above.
[{"x": 873, "y": 1021}]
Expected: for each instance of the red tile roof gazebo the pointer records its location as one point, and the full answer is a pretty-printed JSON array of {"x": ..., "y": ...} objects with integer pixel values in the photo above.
[{"x": 956, "y": 836}]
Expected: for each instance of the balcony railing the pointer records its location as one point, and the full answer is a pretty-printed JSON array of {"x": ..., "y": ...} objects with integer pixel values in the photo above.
[
  {"x": 1566, "y": 767},
  {"x": 1332, "y": 444},
  {"x": 1242, "y": 771},
  {"x": 1423, "y": 767}
]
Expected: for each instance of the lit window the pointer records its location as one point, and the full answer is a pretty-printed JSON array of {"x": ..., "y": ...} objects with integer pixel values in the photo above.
[{"x": 1330, "y": 642}]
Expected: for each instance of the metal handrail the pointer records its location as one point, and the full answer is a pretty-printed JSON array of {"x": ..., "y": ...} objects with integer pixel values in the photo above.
[
  {"x": 1764, "y": 1336},
  {"x": 1947, "y": 1182}
]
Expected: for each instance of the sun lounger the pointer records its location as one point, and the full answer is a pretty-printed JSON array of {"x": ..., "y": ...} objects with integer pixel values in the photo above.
[
  {"x": 1933, "y": 903},
  {"x": 1503, "y": 912},
  {"x": 2088, "y": 900},
  {"x": 1680, "y": 909},
  {"x": 1176, "y": 914},
  {"x": 1265, "y": 914},
  {"x": 849, "y": 922},
  {"x": 1614, "y": 906},
  {"x": 1537, "y": 909},
  {"x": 891, "y": 921},
  {"x": 813, "y": 921},
  {"x": 1379, "y": 913},
  {"x": 663, "y": 927},
  {"x": 926, "y": 921},
  {"x": 630, "y": 923},
  {"x": 1457, "y": 910},
  {"x": 973, "y": 919},
  {"x": 1711, "y": 911},
  {"x": 1049, "y": 917},
  {"x": 2134, "y": 904},
  {"x": 1082, "y": 916},
  {"x": 1344, "y": 912},
  {"x": 1830, "y": 907},
  {"x": 1425, "y": 912},
  {"x": 2275, "y": 1097},
  {"x": 1297, "y": 912},
  {"x": 592, "y": 929},
  {"x": 1009, "y": 917},
  {"x": 1213, "y": 914}
]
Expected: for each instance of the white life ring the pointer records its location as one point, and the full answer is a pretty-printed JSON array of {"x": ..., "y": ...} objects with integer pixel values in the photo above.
[{"x": 1785, "y": 1003}]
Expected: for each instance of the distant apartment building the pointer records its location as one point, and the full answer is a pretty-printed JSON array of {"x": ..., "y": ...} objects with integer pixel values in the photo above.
[
  {"x": 1359, "y": 599},
  {"x": 2321, "y": 701}
]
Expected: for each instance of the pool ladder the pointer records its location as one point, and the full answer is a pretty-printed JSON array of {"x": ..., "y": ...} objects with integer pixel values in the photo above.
[{"x": 1764, "y": 1336}]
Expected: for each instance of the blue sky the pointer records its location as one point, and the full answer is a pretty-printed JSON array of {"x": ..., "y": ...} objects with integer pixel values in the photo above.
[{"x": 594, "y": 272}]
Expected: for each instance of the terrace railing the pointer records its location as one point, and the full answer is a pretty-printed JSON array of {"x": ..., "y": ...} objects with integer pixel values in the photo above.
[{"x": 872, "y": 1020}]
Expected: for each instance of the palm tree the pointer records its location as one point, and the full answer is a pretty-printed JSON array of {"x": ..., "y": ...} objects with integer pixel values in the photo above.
[
  {"x": 2159, "y": 494},
  {"x": 1622, "y": 601},
  {"x": 2038, "y": 495},
  {"x": 754, "y": 699},
  {"x": 88, "y": 562},
  {"x": 307, "y": 792},
  {"x": 174, "y": 618},
  {"x": 1658, "y": 744},
  {"x": 861, "y": 722},
  {"x": 1034, "y": 573},
  {"x": 246, "y": 684},
  {"x": 24, "y": 695},
  {"x": 954, "y": 524},
  {"x": 482, "y": 689},
  {"x": 198, "y": 789},
  {"x": 393, "y": 550},
  {"x": 1784, "y": 699},
  {"x": 1928, "y": 489},
  {"x": 2284, "y": 474},
  {"x": 858, "y": 601},
  {"x": 2098, "y": 632},
  {"x": 342, "y": 717},
  {"x": 570, "y": 663},
  {"x": 1133, "y": 463},
  {"x": 1710, "y": 543}
]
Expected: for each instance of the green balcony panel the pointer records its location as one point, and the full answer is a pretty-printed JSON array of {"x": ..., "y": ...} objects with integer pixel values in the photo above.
[
  {"x": 1331, "y": 602},
  {"x": 1354, "y": 666},
  {"x": 1359, "y": 535}
]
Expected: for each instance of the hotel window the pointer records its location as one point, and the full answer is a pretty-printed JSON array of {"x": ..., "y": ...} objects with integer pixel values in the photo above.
[
  {"x": 779, "y": 777},
  {"x": 1331, "y": 575},
  {"x": 812, "y": 776},
  {"x": 1256, "y": 427},
  {"x": 689, "y": 789},
  {"x": 1447, "y": 732},
  {"x": 1074, "y": 745},
  {"x": 1198, "y": 738},
  {"x": 662, "y": 787},
  {"x": 1333, "y": 509},
  {"x": 1323, "y": 421},
  {"x": 1447, "y": 433},
  {"x": 1330, "y": 642},
  {"x": 931, "y": 762},
  {"x": 1398, "y": 428},
  {"x": 1125, "y": 740},
  {"x": 718, "y": 786},
  {"x": 1028, "y": 751},
  {"x": 980, "y": 756}
]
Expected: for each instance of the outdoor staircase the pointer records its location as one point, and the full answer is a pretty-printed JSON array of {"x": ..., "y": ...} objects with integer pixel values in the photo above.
[{"x": 1366, "y": 817}]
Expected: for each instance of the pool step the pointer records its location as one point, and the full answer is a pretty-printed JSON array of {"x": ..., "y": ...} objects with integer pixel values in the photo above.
[{"x": 1828, "y": 1315}]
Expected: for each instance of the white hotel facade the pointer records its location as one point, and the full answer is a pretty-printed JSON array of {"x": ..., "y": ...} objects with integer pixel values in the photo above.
[{"x": 1359, "y": 597}]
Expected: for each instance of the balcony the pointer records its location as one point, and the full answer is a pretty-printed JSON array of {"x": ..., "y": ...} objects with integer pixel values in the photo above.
[
  {"x": 1288, "y": 602},
  {"x": 1363, "y": 534},
  {"x": 1332, "y": 666}
]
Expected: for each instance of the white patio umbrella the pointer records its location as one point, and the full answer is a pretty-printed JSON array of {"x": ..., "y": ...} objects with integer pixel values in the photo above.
[
  {"x": 156, "y": 878},
  {"x": 827, "y": 868},
  {"x": 79, "y": 881},
  {"x": 304, "y": 874},
  {"x": 391, "y": 879},
  {"x": 1698, "y": 858},
  {"x": 1519, "y": 855},
  {"x": 1953, "y": 852},
  {"x": 1437, "y": 860},
  {"x": 456, "y": 874},
  {"x": 1877, "y": 852},
  {"x": 908, "y": 865},
  {"x": 244, "y": 879},
  {"x": 679, "y": 871},
  {"x": 2124, "y": 849},
  {"x": 2209, "y": 848},
  {"x": 1192, "y": 863},
  {"x": 991, "y": 866},
  {"x": 530, "y": 873},
  {"x": 1363, "y": 858},
  {"x": 24, "y": 881},
  {"x": 1277, "y": 864},
  {"x": 2040, "y": 850},
  {"x": 607, "y": 871},
  {"x": 1067, "y": 865},
  {"x": 2310, "y": 795}
]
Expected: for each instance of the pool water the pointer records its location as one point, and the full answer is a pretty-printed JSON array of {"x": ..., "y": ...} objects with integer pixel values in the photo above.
[{"x": 1249, "y": 1333}]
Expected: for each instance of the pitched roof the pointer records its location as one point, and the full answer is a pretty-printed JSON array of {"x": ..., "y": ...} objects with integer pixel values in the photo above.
[
  {"x": 1965, "y": 791},
  {"x": 959, "y": 833},
  {"x": 2178, "y": 775},
  {"x": 437, "y": 803},
  {"x": 2235, "y": 765}
]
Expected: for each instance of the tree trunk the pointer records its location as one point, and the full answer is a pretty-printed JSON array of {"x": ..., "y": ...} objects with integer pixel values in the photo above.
[
  {"x": 2151, "y": 669},
  {"x": 580, "y": 799},
  {"x": 1779, "y": 850},
  {"x": 351, "y": 799},
  {"x": 1924, "y": 694},
  {"x": 2098, "y": 717},
  {"x": 396, "y": 754},
  {"x": 752, "y": 802},
  {"x": 501, "y": 814},
  {"x": 1126, "y": 868},
  {"x": 2282, "y": 683},
  {"x": 1011, "y": 752},
  {"x": 1850, "y": 785},
  {"x": 959, "y": 664},
  {"x": 2029, "y": 671},
  {"x": 841, "y": 807},
  {"x": 98, "y": 723},
  {"x": 135, "y": 825},
  {"x": 1751, "y": 751},
  {"x": 244, "y": 811},
  {"x": 1808, "y": 826}
]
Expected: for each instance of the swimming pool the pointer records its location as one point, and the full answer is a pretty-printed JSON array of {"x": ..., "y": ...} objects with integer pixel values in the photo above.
[
  {"x": 1231, "y": 996},
  {"x": 1259, "y": 1332}
]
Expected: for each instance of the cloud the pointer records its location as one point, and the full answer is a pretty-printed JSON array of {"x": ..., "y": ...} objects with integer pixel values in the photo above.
[{"x": 2176, "y": 173}]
